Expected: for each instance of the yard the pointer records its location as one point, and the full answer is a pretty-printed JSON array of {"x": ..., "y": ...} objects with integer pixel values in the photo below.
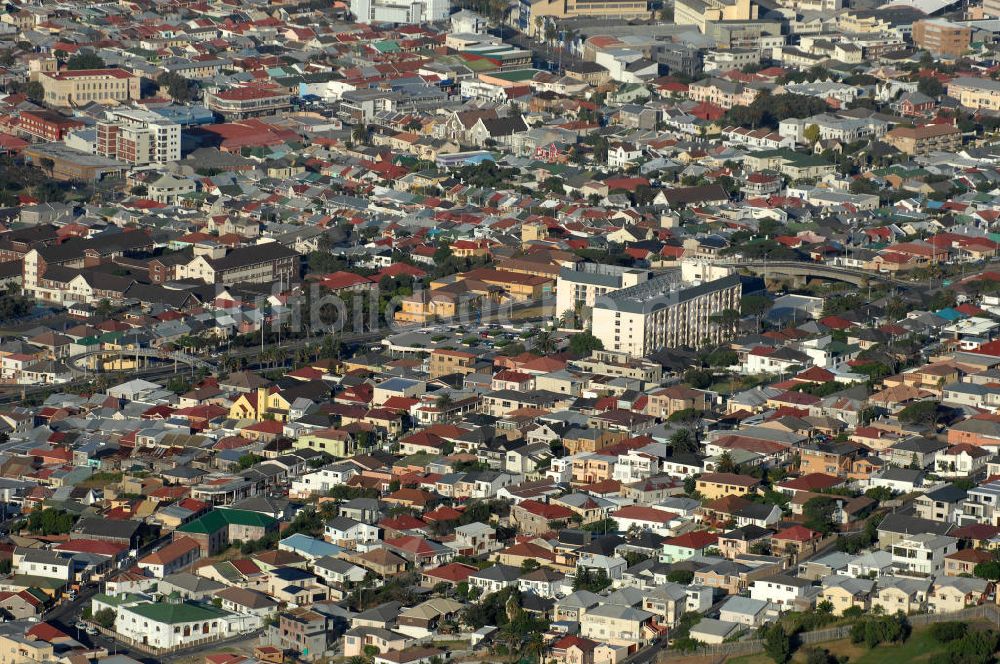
[{"x": 920, "y": 647}]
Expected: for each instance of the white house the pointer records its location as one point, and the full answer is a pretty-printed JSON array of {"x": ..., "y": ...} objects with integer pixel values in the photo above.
[
  {"x": 345, "y": 531},
  {"x": 622, "y": 154},
  {"x": 496, "y": 578},
  {"x": 744, "y": 611},
  {"x": 320, "y": 481},
  {"x": 923, "y": 553},
  {"x": 610, "y": 565},
  {"x": 337, "y": 571},
  {"x": 640, "y": 517},
  {"x": 248, "y": 602},
  {"x": 780, "y": 590},
  {"x": 44, "y": 563},
  {"x": 960, "y": 461},
  {"x": 172, "y": 624}
]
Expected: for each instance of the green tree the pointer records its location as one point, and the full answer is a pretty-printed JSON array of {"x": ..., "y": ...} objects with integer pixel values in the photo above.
[
  {"x": 922, "y": 412},
  {"x": 140, "y": 190},
  {"x": 248, "y": 460},
  {"x": 583, "y": 344},
  {"x": 811, "y": 133},
  {"x": 35, "y": 92},
  {"x": 179, "y": 88},
  {"x": 529, "y": 565},
  {"x": 777, "y": 643},
  {"x": 681, "y": 576},
  {"x": 594, "y": 581},
  {"x": 873, "y": 630},
  {"x": 930, "y": 86},
  {"x": 722, "y": 357},
  {"x": 947, "y": 632},
  {"x": 989, "y": 570},
  {"x": 106, "y": 617},
  {"x": 726, "y": 463},
  {"x": 85, "y": 60},
  {"x": 51, "y": 521},
  {"x": 818, "y": 513},
  {"x": 683, "y": 441},
  {"x": 699, "y": 379}
]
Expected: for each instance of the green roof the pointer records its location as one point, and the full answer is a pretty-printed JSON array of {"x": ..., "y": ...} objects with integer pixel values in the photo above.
[
  {"x": 177, "y": 613},
  {"x": 117, "y": 600},
  {"x": 218, "y": 519},
  {"x": 387, "y": 46},
  {"x": 31, "y": 581},
  {"x": 517, "y": 75}
]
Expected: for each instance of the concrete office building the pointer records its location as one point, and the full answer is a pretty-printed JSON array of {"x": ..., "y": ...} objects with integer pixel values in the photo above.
[
  {"x": 663, "y": 312},
  {"x": 78, "y": 87}
]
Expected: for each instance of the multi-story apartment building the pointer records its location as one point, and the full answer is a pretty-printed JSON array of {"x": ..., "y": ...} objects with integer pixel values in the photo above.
[
  {"x": 942, "y": 38},
  {"x": 663, "y": 313},
  {"x": 258, "y": 264},
  {"x": 722, "y": 92},
  {"x": 975, "y": 92},
  {"x": 247, "y": 102},
  {"x": 398, "y": 11},
  {"x": 929, "y": 138},
  {"x": 77, "y": 87},
  {"x": 831, "y": 127},
  {"x": 139, "y": 137},
  {"x": 581, "y": 284}
]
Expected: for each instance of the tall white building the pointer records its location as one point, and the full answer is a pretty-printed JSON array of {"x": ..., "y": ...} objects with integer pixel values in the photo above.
[
  {"x": 583, "y": 283},
  {"x": 139, "y": 137},
  {"x": 400, "y": 11},
  {"x": 664, "y": 313}
]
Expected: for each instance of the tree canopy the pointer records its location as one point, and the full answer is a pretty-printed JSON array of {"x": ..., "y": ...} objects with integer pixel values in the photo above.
[{"x": 85, "y": 60}]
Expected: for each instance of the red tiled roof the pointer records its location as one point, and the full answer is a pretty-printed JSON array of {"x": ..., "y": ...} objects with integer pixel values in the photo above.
[{"x": 698, "y": 539}]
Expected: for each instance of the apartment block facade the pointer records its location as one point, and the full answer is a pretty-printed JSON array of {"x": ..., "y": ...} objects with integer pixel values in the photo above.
[
  {"x": 139, "y": 137},
  {"x": 662, "y": 313}
]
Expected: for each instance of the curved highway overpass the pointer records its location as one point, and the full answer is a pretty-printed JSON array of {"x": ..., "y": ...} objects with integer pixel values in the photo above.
[{"x": 74, "y": 361}]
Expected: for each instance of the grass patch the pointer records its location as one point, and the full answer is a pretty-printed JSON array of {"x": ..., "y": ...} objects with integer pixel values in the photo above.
[
  {"x": 920, "y": 647},
  {"x": 101, "y": 480}
]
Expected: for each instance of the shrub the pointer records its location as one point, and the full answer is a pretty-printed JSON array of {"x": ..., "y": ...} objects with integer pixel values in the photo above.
[{"x": 947, "y": 632}]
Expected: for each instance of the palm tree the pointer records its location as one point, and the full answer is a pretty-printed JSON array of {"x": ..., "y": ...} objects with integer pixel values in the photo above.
[
  {"x": 545, "y": 341},
  {"x": 361, "y": 134},
  {"x": 550, "y": 33}
]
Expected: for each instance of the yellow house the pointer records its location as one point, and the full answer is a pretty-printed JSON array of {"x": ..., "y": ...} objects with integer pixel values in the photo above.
[
  {"x": 720, "y": 485},
  {"x": 250, "y": 405},
  {"x": 19, "y": 649},
  {"x": 445, "y": 361},
  {"x": 954, "y": 593},
  {"x": 428, "y": 305},
  {"x": 332, "y": 441},
  {"x": 907, "y": 596},
  {"x": 843, "y": 598},
  {"x": 518, "y": 287}
]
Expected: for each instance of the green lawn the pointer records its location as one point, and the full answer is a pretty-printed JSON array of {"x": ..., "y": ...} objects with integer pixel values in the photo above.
[{"x": 920, "y": 647}]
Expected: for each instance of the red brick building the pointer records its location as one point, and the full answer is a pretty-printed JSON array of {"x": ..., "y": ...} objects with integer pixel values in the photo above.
[{"x": 47, "y": 126}]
